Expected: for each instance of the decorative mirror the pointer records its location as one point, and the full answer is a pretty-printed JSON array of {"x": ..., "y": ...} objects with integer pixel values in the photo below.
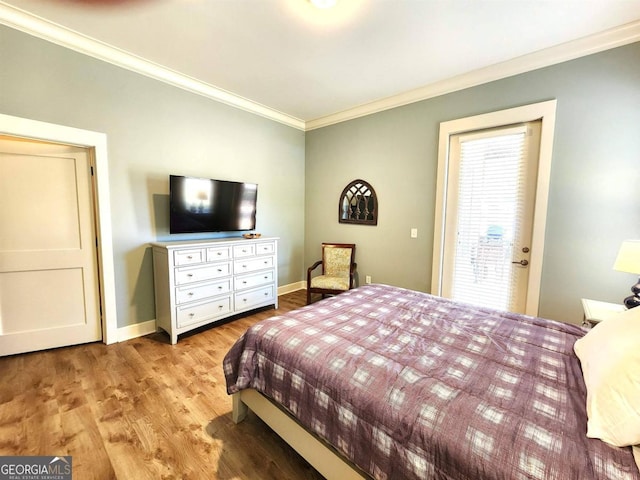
[{"x": 358, "y": 204}]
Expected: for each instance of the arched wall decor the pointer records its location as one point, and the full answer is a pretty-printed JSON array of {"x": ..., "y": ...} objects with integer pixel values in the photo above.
[{"x": 358, "y": 204}]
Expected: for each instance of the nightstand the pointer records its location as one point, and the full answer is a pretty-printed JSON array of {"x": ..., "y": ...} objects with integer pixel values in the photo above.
[{"x": 596, "y": 311}]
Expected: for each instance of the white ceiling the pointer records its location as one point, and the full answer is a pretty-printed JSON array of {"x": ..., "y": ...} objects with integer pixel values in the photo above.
[{"x": 307, "y": 63}]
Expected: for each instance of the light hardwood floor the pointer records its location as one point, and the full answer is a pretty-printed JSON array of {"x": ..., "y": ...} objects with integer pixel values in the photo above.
[{"x": 142, "y": 409}]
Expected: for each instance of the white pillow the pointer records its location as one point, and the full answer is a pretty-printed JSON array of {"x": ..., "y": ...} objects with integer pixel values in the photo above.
[{"x": 610, "y": 358}]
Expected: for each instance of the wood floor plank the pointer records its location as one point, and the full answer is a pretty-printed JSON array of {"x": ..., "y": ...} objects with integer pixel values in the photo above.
[
  {"x": 143, "y": 409},
  {"x": 82, "y": 440},
  {"x": 13, "y": 431}
]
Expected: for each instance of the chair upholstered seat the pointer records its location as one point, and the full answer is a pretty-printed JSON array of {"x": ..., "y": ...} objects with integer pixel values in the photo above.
[
  {"x": 331, "y": 283},
  {"x": 338, "y": 270}
]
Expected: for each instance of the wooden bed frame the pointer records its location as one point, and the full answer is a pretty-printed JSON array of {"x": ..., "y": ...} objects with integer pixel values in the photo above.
[{"x": 318, "y": 453}]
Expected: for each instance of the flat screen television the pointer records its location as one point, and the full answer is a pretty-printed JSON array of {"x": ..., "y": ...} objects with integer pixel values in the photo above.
[{"x": 205, "y": 205}]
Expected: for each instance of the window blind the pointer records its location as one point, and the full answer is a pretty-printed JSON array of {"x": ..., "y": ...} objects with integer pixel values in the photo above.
[{"x": 491, "y": 200}]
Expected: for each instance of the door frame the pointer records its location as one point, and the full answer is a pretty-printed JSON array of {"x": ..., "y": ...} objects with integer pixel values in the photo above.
[
  {"x": 97, "y": 144},
  {"x": 545, "y": 111}
]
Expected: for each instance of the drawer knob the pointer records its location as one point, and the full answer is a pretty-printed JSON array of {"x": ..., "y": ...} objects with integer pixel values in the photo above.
[
  {"x": 189, "y": 257},
  {"x": 192, "y": 314},
  {"x": 189, "y": 274},
  {"x": 244, "y": 282},
  {"x": 244, "y": 266},
  {"x": 219, "y": 287},
  {"x": 190, "y": 294}
]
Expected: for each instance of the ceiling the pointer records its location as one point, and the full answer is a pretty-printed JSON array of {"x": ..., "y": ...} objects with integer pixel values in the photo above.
[{"x": 306, "y": 64}]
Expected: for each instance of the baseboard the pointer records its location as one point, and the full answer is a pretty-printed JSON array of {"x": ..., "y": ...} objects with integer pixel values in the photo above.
[
  {"x": 145, "y": 328},
  {"x": 136, "y": 330},
  {"x": 292, "y": 287}
]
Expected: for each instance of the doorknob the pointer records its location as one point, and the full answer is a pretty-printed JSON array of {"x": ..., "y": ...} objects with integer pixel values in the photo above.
[{"x": 524, "y": 263}]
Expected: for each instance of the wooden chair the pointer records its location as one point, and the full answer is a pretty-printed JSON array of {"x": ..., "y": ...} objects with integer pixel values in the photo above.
[{"x": 338, "y": 270}]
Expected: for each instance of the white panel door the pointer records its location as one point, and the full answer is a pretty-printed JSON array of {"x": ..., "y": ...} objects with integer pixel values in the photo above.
[{"x": 49, "y": 288}]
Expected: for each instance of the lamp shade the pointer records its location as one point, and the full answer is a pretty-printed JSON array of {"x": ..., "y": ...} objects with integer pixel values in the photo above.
[{"x": 628, "y": 259}]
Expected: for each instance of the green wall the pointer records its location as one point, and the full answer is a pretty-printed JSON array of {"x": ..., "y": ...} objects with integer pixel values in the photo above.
[
  {"x": 154, "y": 130},
  {"x": 593, "y": 190}
]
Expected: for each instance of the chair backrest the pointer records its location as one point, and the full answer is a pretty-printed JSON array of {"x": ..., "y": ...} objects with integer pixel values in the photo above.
[{"x": 337, "y": 259}]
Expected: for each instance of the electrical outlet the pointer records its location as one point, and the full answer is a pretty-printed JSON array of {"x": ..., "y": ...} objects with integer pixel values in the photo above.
[
  {"x": 367, "y": 279},
  {"x": 414, "y": 233}
]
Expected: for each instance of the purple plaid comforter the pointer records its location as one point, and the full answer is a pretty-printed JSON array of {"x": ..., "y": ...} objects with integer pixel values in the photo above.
[{"x": 411, "y": 386}]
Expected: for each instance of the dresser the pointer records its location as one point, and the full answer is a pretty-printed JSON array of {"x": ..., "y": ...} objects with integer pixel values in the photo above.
[{"x": 199, "y": 282}]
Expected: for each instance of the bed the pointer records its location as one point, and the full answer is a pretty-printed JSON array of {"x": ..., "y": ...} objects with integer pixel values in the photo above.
[{"x": 388, "y": 383}]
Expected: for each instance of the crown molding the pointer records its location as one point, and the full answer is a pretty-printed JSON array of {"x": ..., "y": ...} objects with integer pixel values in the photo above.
[
  {"x": 33, "y": 25},
  {"x": 615, "y": 37}
]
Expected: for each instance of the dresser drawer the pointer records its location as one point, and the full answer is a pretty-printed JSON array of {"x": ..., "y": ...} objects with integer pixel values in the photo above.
[
  {"x": 247, "y": 250},
  {"x": 253, "y": 264},
  {"x": 253, "y": 298},
  {"x": 188, "y": 257},
  {"x": 186, "y": 275},
  {"x": 215, "y": 254},
  {"x": 205, "y": 311},
  {"x": 266, "y": 248},
  {"x": 191, "y": 293},
  {"x": 253, "y": 280}
]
